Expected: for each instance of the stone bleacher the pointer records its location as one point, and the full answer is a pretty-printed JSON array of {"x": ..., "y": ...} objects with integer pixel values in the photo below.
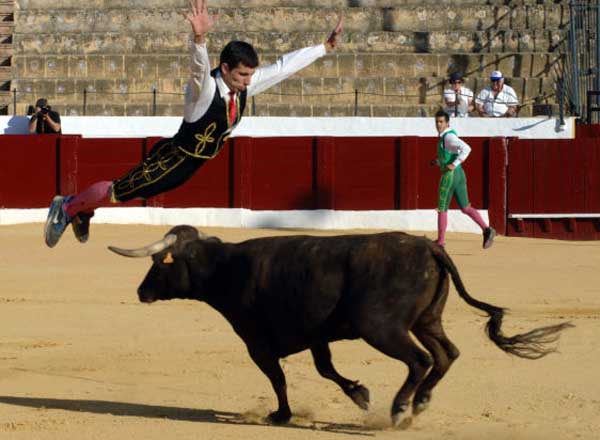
[{"x": 119, "y": 51}]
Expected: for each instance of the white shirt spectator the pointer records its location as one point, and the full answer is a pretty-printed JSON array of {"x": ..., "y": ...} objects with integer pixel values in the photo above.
[
  {"x": 497, "y": 106},
  {"x": 465, "y": 97}
]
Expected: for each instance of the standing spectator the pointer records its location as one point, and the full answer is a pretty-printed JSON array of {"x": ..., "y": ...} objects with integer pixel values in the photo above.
[
  {"x": 44, "y": 120},
  {"x": 458, "y": 98},
  {"x": 497, "y": 100}
]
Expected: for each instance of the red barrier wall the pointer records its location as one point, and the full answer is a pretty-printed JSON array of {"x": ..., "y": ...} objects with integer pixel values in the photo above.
[
  {"x": 554, "y": 177},
  {"x": 28, "y": 173},
  {"x": 86, "y": 161},
  {"x": 211, "y": 186},
  {"x": 504, "y": 176}
]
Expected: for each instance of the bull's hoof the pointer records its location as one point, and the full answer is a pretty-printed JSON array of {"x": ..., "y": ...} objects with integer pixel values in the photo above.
[
  {"x": 401, "y": 419},
  {"x": 421, "y": 403},
  {"x": 360, "y": 395},
  {"x": 280, "y": 417}
]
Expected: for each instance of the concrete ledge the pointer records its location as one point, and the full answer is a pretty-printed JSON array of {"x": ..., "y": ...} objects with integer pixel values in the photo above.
[
  {"x": 142, "y": 127},
  {"x": 408, "y": 220}
]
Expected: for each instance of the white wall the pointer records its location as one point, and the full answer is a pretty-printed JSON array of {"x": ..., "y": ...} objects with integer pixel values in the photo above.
[{"x": 148, "y": 126}]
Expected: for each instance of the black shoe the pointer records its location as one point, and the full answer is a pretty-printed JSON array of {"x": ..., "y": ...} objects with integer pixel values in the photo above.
[
  {"x": 57, "y": 221},
  {"x": 81, "y": 226},
  {"x": 488, "y": 237}
]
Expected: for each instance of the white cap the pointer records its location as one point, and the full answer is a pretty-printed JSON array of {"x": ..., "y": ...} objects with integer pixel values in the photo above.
[{"x": 496, "y": 74}]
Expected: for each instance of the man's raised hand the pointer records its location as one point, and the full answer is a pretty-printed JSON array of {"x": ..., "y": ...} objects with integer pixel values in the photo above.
[
  {"x": 200, "y": 19},
  {"x": 332, "y": 41}
]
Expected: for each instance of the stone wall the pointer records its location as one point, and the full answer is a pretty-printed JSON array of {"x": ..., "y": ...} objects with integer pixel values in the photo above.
[{"x": 396, "y": 54}]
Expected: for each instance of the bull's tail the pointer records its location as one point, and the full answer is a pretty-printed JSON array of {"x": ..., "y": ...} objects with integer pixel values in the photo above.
[{"x": 530, "y": 345}]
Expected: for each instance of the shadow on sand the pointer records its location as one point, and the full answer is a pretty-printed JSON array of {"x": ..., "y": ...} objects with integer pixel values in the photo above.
[{"x": 172, "y": 413}]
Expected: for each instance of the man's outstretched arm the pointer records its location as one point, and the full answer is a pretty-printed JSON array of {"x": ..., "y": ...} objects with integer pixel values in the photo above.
[
  {"x": 200, "y": 88},
  {"x": 290, "y": 63}
]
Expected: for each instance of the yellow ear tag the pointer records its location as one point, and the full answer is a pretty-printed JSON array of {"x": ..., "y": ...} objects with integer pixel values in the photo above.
[{"x": 168, "y": 258}]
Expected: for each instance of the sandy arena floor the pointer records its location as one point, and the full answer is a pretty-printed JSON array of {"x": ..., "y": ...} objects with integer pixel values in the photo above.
[{"x": 80, "y": 358}]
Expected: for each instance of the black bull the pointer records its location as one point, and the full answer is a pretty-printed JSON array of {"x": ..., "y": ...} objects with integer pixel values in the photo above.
[{"x": 283, "y": 295}]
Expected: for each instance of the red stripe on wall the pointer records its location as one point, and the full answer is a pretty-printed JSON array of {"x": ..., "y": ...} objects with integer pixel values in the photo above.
[
  {"x": 28, "y": 174},
  {"x": 210, "y": 186},
  {"x": 86, "y": 161},
  {"x": 497, "y": 172},
  {"x": 364, "y": 173}
]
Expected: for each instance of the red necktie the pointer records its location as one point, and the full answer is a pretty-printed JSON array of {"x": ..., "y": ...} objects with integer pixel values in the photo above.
[{"x": 232, "y": 108}]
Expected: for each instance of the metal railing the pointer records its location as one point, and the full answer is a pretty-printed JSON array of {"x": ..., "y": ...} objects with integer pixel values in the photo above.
[
  {"x": 20, "y": 97},
  {"x": 578, "y": 71}
]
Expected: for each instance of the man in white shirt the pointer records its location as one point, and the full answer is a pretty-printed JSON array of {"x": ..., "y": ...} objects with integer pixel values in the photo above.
[
  {"x": 214, "y": 104},
  {"x": 451, "y": 153},
  {"x": 497, "y": 100},
  {"x": 458, "y": 98}
]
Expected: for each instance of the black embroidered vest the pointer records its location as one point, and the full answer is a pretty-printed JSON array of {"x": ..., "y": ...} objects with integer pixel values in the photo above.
[{"x": 205, "y": 137}]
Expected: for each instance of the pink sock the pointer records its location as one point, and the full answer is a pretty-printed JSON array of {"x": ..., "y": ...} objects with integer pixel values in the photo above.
[
  {"x": 442, "y": 224},
  {"x": 474, "y": 214},
  {"x": 90, "y": 199}
]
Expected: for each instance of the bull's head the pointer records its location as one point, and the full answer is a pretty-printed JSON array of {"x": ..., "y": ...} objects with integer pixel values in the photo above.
[{"x": 178, "y": 259}]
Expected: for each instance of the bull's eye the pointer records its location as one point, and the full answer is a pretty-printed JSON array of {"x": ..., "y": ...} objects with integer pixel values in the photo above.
[{"x": 168, "y": 258}]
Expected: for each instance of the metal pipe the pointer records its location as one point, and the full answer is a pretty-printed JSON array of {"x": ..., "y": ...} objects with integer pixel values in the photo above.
[
  {"x": 561, "y": 102},
  {"x": 574, "y": 58},
  {"x": 597, "y": 46},
  {"x": 154, "y": 101},
  {"x": 84, "y": 101}
]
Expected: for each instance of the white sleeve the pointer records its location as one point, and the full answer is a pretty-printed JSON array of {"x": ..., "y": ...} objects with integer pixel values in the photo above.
[
  {"x": 481, "y": 98},
  {"x": 283, "y": 68},
  {"x": 468, "y": 95},
  {"x": 200, "y": 87},
  {"x": 454, "y": 145},
  {"x": 512, "y": 97}
]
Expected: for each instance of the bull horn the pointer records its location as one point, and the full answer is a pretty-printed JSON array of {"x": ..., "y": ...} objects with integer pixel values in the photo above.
[{"x": 146, "y": 251}]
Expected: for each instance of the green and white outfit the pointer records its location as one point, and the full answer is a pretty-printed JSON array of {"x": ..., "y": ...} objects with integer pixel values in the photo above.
[{"x": 452, "y": 150}]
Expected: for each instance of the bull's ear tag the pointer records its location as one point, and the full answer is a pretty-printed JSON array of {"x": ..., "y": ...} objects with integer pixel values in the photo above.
[{"x": 168, "y": 258}]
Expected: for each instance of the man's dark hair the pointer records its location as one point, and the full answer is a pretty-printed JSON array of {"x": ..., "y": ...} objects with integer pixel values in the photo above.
[
  {"x": 442, "y": 114},
  {"x": 236, "y": 52}
]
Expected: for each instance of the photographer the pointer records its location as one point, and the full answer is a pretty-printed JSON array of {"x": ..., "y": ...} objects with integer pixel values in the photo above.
[{"x": 44, "y": 120}]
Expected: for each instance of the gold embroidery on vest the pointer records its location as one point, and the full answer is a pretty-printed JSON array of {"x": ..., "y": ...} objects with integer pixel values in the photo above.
[
  {"x": 204, "y": 140},
  {"x": 146, "y": 173}
]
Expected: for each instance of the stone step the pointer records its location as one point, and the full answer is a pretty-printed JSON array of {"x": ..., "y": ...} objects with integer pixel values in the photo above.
[
  {"x": 5, "y": 52},
  {"x": 147, "y": 20},
  {"x": 120, "y": 4},
  {"x": 394, "y": 42},
  {"x": 5, "y": 73},
  {"x": 59, "y": 5},
  {"x": 6, "y": 8},
  {"x": 6, "y": 99},
  {"x": 428, "y": 18},
  {"x": 6, "y": 28},
  {"x": 431, "y": 18},
  {"x": 525, "y": 65}
]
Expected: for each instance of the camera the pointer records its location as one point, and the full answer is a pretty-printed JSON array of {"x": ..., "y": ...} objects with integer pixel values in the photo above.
[{"x": 44, "y": 110}]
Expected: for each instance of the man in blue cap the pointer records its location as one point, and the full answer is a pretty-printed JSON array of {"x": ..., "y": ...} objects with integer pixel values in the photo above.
[{"x": 497, "y": 100}]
